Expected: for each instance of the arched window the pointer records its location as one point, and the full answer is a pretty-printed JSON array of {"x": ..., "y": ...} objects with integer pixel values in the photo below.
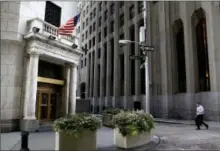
[
  {"x": 180, "y": 56},
  {"x": 202, "y": 50}
]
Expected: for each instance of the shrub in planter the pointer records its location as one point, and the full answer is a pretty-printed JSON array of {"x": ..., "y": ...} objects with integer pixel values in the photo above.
[
  {"x": 107, "y": 116},
  {"x": 76, "y": 132},
  {"x": 132, "y": 129}
]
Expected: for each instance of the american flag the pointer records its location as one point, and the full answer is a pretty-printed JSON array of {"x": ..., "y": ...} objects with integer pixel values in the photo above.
[{"x": 68, "y": 28}]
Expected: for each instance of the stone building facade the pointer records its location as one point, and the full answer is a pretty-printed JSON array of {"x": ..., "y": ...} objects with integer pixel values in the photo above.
[
  {"x": 107, "y": 77},
  {"x": 38, "y": 66},
  {"x": 184, "y": 67}
]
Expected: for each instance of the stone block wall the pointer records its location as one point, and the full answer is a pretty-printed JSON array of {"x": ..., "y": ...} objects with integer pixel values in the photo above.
[{"x": 12, "y": 54}]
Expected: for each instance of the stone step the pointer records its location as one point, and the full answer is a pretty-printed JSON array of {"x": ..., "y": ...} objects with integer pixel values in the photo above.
[{"x": 46, "y": 127}]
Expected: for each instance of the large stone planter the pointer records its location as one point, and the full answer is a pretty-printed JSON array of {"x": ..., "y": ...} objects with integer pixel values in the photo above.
[
  {"x": 107, "y": 120},
  {"x": 130, "y": 141},
  {"x": 86, "y": 141}
]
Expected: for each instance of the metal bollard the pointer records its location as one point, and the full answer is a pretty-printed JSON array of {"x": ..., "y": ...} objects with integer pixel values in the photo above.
[{"x": 24, "y": 141}]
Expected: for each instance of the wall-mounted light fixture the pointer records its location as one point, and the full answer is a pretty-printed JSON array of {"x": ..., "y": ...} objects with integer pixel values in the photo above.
[
  {"x": 35, "y": 29},
  {"x": 74, "y": 46},
  {"x": 52, "y": 37}
]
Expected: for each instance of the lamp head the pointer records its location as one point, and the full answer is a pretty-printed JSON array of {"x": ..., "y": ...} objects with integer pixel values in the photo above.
[{"x": 124, "y": 41}]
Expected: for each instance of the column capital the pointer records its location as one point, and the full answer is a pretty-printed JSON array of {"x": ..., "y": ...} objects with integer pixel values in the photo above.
[
  {"x": 73, "y": 65},
  {"x": 34, "y": 54}
]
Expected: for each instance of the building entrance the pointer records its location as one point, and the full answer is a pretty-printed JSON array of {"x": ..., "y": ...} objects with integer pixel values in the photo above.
[{"x": 49, "y": 103}]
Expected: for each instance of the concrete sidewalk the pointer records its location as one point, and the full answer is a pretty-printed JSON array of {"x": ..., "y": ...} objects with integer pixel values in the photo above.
[
  {"x": 11, "y": 140},
  {"x": 213, "y": 124},
  {"x": 46, "y": 141}
]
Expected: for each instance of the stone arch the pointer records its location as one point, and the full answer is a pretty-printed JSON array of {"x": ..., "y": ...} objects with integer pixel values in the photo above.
[
  {"x": 179, "y": 51},
  {"x": 200, "y": 47}
]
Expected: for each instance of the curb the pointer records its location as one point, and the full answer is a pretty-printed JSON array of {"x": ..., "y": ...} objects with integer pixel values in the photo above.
[{"x": 173, "y": 122}]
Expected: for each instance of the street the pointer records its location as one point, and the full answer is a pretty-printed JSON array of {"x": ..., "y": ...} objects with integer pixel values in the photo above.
[{"x": 172, "y": 137}]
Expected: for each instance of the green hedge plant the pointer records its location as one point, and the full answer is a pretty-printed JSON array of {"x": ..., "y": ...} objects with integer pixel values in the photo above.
[
  {"x": 76, "y": 124},
  {"x": 112, "y": 111},
  {"x": 133, "y": 122}
]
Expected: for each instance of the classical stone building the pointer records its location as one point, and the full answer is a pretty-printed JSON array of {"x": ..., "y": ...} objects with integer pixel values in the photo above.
[
  {"x": 107, "y": 76},
  {"x": 38, "y": 66},
  {"x": 185, "y": 65}
]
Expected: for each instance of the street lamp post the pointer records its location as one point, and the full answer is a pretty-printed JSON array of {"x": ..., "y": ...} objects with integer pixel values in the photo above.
[{"x": 143, "y": 56}]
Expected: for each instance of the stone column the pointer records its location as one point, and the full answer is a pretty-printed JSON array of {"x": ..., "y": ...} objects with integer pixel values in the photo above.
[
  {"x": 73, "y": 84},
  {"x": 116, "y": 57},
  {"x": 212, "y": 28},
  {"x": 137, "y": 62},
  {"x": 109, "y": 64},
  {"x": 189, "y": 52},
  {"x": 102, "y": 69},
  {"x": 67, "y": 89},
  {"x": 127, "y": 61},
  {"x": 163, "y": 53},
  {"x": 95, "y": 70},
  {"x": 29, "y": 122}
]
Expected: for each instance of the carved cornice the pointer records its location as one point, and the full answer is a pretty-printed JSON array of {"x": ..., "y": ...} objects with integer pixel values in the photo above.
[
  {"x": 39, "y": 46},
  {"x": 44, "y": 39}
]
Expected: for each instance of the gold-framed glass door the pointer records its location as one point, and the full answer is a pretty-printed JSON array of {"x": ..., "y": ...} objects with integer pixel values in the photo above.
[{"x": 44, "y": 105}]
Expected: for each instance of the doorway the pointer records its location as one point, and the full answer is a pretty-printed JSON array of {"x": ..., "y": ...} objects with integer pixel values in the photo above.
[{"x": 47, "y": 104}]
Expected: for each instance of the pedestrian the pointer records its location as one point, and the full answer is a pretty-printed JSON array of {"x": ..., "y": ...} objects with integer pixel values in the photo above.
[{"x": 199, "y": 116}]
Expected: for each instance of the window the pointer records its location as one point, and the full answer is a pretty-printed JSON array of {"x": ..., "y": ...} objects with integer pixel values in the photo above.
[
  {"x": 87, "y": 21},
  {"x": 100, "y": 21},
  {"x": 112, "y": 26},
  {"x": 86, "y": 34},
  {"x": 100, "y": 6},
  {"x": 84, "y": 13},
  {"x": 99, "y": 53},
  {"x": 106, "y": 15},
  {"x": 121, "y": 4},
  {"x": 87, "y": 9},
  {"x": 112, "y": 8},
  {"x": 90, "y": 44},
  {"x": 94, "y": 24},
  {"x": 83, "y": 25},
  {"x": 121, "y": 20},
  {"x": 93, "y": 41},
  {"x": 105, "y": 31},
  {"x": 90, "y": 16},
  {"x": 94, "y": 12},
  {"x": 121, "y": 36},
  {"x": 85, "y": 62},
  {"x": 91, "y": 4},
  {"x": 86, "y": 49},
  {"x": 82, "y": 37},
  {"x": 140, "y": 6},
  {"x": 81, "y": 63},
  {"x": 131, "y": 11},
  {"x": 52, "y": 14},
  {"x": 100, "y": 36},
  {"x": 105, "y": 3},
  {"x": 90, "y": 30}
]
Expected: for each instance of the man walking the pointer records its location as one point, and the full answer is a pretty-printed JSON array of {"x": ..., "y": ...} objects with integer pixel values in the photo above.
[{"x": 199, "y": 116}]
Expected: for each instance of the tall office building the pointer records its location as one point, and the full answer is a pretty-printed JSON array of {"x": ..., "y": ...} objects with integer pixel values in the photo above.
[
  {"x": 38, "y": 66},
  {"x": 184, "y": 67},
  {"x": 107, "y": 77}
]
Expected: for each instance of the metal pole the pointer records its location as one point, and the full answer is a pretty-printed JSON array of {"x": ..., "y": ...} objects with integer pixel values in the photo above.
[
  {"x": 24, "y": 141},
  {"x": 147, "y": 103}
]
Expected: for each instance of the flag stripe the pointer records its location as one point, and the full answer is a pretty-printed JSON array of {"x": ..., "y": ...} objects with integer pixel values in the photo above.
[{"x": 68, "y": 28}]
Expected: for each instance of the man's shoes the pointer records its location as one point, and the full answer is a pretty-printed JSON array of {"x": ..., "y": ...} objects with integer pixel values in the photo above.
[
  {"x": 207, "y": 127},
  {"x": 198, "y": 129}
]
